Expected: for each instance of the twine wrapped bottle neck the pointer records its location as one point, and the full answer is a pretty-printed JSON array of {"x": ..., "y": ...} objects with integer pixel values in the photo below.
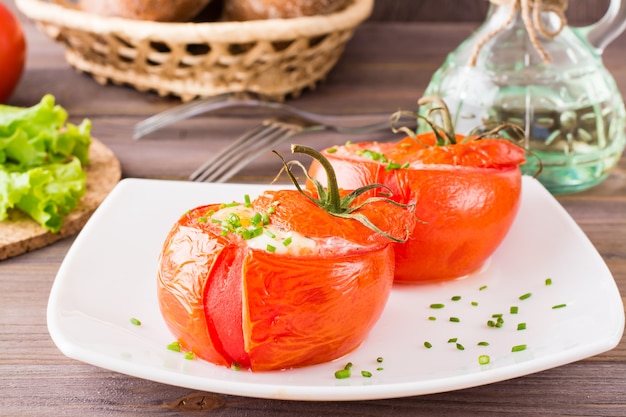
[{"x": 531, "y": 16}]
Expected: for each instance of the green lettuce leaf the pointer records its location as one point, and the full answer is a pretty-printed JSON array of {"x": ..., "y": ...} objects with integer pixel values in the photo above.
[{"x": 41, "y": 162}]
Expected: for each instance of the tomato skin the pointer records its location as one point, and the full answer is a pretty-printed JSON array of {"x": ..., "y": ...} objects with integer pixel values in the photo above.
[
  {"x": 233, "y": 304},
  {"x": 312, "y": 310},
  {"x": 465, "y": 213},
  {"x": 12, "y": 52},
  {"x": 466, "y": 197}
]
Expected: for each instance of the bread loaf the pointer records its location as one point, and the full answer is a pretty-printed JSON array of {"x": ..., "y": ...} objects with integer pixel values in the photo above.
[
  {"x": 240, "y": 10},
  {"x": 155, "y": 10}
]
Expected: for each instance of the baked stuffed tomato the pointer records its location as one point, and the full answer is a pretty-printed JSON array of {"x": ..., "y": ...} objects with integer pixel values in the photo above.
[
  {"x": 466, "y": 191},
  {"x": 285, "y": 280}
]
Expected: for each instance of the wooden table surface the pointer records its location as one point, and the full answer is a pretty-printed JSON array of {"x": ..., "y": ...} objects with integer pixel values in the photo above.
[{"x": 385, "y": 67}]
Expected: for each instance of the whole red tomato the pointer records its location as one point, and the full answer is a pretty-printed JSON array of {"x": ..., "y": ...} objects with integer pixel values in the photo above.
[
  {"x": 278, "y": 282},
  {"x": 12, "y": 52},
  {"x": 466, "y": 196}
]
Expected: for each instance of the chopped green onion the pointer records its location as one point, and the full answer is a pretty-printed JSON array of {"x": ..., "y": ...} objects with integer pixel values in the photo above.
[
  {"x": 269, "y": 233},
  {"x": 460, "y": 346},
  {"x": 256, "y": 219},
  {"x": 484, "y": 287},
  {"x": 189, "y": 355},
  {"x": 392, "y": 165},
  {"x": 331, "y": 150},
  {"x": 428, "y": 345},
  {"x": 525, "y": 296},
  {"x": 174, "y": 346},
  {"x": 437, "y": 306},
  {"x": 135, "y": 321},
  {"x": 475, "y": 303},
  {"x": 484, "y": 359},
  {"x": 514, "y": 310},
  {"x": 380, "y": 368},
  {"x": 455, "y": 319},
  {"x": 345, "y": 372},
  {"x": 270, "y": 248},
  {"x": 497, "y": 316},
  {"x": 379, "y": 359},
  {"x": 246, "y": 199},
  {"x": 453, "y": 340},
  {"x": 559, "y": 306},
  {"x": 366, "y": 374},
  {"x": 287, "y": 241},
  {"x": 521, "y": 326},
  {"x": 518, "y": 348},
  {"x": 432, "y": 318},
  {"x": 202, "y": 219},
  {"x": 483, "y": 343},
  {"x": 456, "y": 298},
  {"x": 548, "y": 282},
  {"x": 342, "y": 374}
]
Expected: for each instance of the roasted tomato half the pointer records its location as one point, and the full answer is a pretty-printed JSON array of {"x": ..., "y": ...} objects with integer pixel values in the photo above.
[
  {"x": 466, "y": 196},
  {"x": 277, "y": 282}
]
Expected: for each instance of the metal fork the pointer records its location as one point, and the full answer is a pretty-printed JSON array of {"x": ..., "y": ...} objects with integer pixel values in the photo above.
[
  {"x": 227, "y": 101},
  {"x": 270, "y": 133}
]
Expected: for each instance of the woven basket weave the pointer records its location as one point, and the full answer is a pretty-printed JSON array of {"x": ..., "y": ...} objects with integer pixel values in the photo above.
[{"x": 276, "y": 57}]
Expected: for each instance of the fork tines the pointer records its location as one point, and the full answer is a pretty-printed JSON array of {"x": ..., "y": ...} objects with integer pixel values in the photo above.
[{"x": 231, "y": 159}]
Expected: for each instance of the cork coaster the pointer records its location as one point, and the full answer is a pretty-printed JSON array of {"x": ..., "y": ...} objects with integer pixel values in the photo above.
[{"x": 20, "y": 234}]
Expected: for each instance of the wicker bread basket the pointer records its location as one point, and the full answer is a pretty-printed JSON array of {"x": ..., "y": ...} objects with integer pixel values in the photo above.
[{"x": 276, "y": 57}]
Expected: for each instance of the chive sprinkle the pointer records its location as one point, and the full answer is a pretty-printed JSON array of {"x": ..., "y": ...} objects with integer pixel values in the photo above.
[
  {"x": 366, "y": 374},
  {"x": 456, "y": 298},
  {"x": 287, "y": 241},
  {"x": 380, "y": 368},
  {"x": 432, "y": 318},
  {"x": 270, "y": 248},
  {"x": 484, "y": 287},
  {"x": 135, "y": 321},
  {"x": 484, "y": 359},
  {"x": 453, "y": 340},
  {"x": 345, "y": 372},
  {"x": 342, "y": 374},
  {"x": 379, "y": 359},
  {"x": 246, "y": 199},
  {"x": 559, "y": 306},
  {"x": 437, "y": 306},
  {"x": 475, "y": 303},
  {"x": 483, "y": 343},
  {"x": 455, "y": 319},
  {"x": 514, "y": 310},
  {"x": 548, "y": 282},
  {"x": 174, "y": 346},
  {"x": 521, "y": 326},
  {"x": 525, "y": 296},
  {"x": 460, "y": 346},
  {"x": 518, "y": 348},
  {"x": 428, "y": 345}
]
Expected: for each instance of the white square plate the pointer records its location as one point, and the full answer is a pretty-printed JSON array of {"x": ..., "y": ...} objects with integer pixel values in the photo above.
[{"x": 109, "y": 276}]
